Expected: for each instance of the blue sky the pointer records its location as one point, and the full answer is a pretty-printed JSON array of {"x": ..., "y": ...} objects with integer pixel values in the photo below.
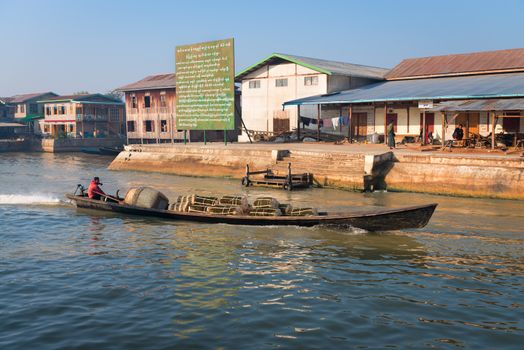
[{"x": 68, "y": 46}]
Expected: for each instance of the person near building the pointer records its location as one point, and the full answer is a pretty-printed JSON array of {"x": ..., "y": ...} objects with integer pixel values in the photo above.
[
  {"x": 458, "y": 134},
  {"x": 391, "y": 135}
]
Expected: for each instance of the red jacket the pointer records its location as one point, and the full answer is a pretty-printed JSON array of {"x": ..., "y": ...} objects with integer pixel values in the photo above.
[{"x": 94, "y": 190}]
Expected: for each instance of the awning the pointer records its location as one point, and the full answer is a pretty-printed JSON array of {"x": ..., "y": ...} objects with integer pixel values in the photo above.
[
  {"x": 513, "y": 104},
  {"x": 30, "y": 118},
  {"x": 11, "y": 125}
]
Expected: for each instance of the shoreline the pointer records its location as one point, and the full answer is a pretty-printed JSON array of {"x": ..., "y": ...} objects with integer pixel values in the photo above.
[{"x": 347, "y": 167}]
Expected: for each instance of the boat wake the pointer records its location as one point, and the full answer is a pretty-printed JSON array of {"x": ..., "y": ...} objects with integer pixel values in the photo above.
[{"x": 32, "y": 199}]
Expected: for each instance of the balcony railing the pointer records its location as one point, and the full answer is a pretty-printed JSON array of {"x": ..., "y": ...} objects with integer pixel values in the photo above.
[{"x": 151, "y": 110}]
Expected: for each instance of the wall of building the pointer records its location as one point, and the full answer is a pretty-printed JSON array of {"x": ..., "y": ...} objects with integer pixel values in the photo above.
[
  {"x": 342, "y": 82},
  {"x": 82, "y": 120},
  {"x": 156, "y": 113},
  {"x": 261, "y": 105}
]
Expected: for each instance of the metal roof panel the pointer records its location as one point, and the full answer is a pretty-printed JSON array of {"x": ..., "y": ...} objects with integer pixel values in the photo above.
[
  {"x": 464, "y": 87},
  {"x": 459, "y": 64}
]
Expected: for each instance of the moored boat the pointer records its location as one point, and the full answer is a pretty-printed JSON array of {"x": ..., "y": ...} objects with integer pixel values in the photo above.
[{"x": 377, "y": 219}]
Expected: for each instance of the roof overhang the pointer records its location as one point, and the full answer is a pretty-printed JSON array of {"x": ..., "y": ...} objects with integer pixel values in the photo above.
[
  {"x": 498, "y": 104},
  {"x": 29, "y": 118},
  {"x": 11, "y": 125},
  {"x": 79, "y": 100},
  {"x": 496, "y": 86},
  {"x": 146, "y": 88},
  {"x": 276, "y": 57}
]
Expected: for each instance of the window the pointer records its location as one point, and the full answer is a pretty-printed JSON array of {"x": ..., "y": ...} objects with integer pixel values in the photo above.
[
  {"x": 48, "y": 111},
  {"x": 149, "y": 126},
  {"x": 281, "y": 82},
  {"x": 62, "y": 110},
  {"x": 163, "y": 99},
  {"x": 114, "y": 116},
  {"x": 147, "y": 101},
  {"x": 21, "y": 108},
  {"x": 133, "y": 102},
  {"x": 130, "y": 126},
  {"x": 55, "y": 110},
  {"x": 254, "y": 84},
  {"x": 33, "y": 108},
  {"x": 308, "y": 81},
  {"x": 163, "y": 126}
]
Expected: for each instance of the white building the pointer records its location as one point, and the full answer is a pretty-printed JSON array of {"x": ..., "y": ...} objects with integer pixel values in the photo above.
[{"x": 267, "y": 84}]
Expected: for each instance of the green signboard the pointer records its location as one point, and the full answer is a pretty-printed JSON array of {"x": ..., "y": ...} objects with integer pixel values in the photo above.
[{"x": 205, "y": 86}]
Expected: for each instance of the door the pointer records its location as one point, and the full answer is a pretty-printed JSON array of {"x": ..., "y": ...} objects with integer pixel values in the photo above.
[
  {"x": 511, "y": 124},
  {"x": 392, "y": 118},
  {"x": 473, "y": 123},
  {"x": 359, "y": 124},
  {"x": 280, "y": 121},
  {"x": 430, "y": 124}
]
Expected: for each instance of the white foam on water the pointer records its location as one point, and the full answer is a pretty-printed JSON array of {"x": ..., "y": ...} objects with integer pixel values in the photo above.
[{"x": 29, "y": 199}]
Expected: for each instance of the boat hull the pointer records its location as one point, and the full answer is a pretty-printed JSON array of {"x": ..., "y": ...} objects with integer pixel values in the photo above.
[{"x": 372, "y": 220}]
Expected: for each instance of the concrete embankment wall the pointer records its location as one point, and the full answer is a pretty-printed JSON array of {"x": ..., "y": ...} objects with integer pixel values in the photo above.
[
  {"x": 496, "y": 177},
  {"x": 76, "y": 144},
  {"x": 329, "y": 169},
  {"x": 192, "y": 161},
  {"x": 15, "y": 145}
]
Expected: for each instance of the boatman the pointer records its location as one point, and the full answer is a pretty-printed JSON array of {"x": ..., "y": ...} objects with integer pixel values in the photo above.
[{"x": 94, "y": 191}]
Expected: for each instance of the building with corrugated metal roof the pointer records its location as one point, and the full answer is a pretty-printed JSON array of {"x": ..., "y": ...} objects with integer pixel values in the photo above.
[
  {"x": 151, "y": 113},
  {"x": 83, "y": 116},
  {"x": 428, "y": 97},
  {"x": 7, "y": 111},
  {"x": 27, "y": 110},
  {"x": 267, "y": 84}
]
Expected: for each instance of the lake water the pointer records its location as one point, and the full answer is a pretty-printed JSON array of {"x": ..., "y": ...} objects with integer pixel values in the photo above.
[{"x": 79, "y": 279}]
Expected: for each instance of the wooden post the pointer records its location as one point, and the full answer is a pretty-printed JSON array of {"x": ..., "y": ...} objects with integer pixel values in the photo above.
[
  {"x": 423, "y": 142},
  {"x": 319, "y": 110},
  {"x": 108, "y": 109},
  {"x": 298, "y": 123},
  {"x": 171, "y": 128},
  {"x": 407, "y": 110},
  {"x": 444, "y": 127},
  {"x": 467, "y": 125},
  {"x": 339, "y": 119},
  {"x": 350, "y": 123},
  {"x": 493, "y": 124},
  {"x": 385, "y": 123},
  {"x": 127, "y": 132}
]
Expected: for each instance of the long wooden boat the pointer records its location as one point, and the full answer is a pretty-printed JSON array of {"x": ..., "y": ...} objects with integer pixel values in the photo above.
[{"x": 370, "y": 220}]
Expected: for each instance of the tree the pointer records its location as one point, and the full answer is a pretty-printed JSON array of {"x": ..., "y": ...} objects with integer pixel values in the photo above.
[{"x": 115, "y": 95}]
